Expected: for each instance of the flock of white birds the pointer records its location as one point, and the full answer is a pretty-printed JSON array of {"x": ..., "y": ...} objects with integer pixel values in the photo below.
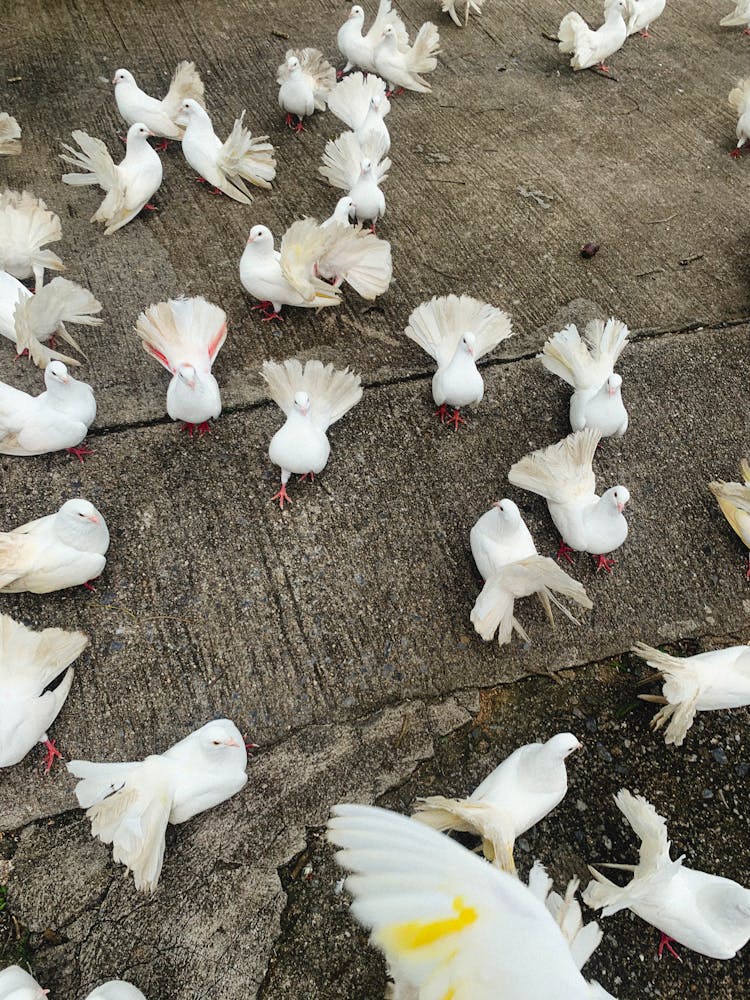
[{"x": 451, "y": 926}]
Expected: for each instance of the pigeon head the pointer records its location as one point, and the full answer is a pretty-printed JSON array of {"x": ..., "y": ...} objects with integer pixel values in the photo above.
[
  {"x": 187, "y": 375},
  {"x": 468, "y": 343},
  {"x": 508, "y": 514},
  {"x": 376, "y": 102},
  {"x": 80, "y": 525},
  {"x": 190, "y": 109},
  {"x": 388, "y": 38},
  {"x": 138, "y": 133},
  {"x": 292, "y": 64},
  {"x": 221, "y": 742},
  {"x": 123, "y": 76},
  {"x": 365, "y": 165},
  {"x": 345, "y": 208},
  {"x": 617, "y": 496},
  {"x": 617, "y": 7},
  {"x": 563, "y": 745},
  {"x": 302, "y": 403},
  {"x": 56, "y": 375},
  {"x": 614, "y": 383},
  {"x": 260, "y": 237},
  {"x": 356, "y": 12}
]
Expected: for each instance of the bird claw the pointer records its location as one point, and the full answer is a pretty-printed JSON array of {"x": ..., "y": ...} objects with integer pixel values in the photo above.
[
  {"x": 564, "y": 551},
  {"x": 89, "y": 585},
  {"x": 202, "y": 428},
  {"x": 80, "y": 452},
  {"x": 303, "y": 479},
  {"x": 151, "y": 208},
  {"x": 441, "y": 412},
  {"x": 268, "y": 311},
  {"x": 282, "y": 496},
  {"x": 52, "y": 754},
  {"x": 394, "y": 93},
  {"x": 603, "y": 563},
  {"x": 736, "y": 153},
  {"x": 24, "y": 354},
  {"x": 747, "y": 574},
  {"x": 665, "y": 941},
  {"x": 160, "y": 147},
  {"x": 295, "y": 123},
  {"x": 455, "y": 418}
]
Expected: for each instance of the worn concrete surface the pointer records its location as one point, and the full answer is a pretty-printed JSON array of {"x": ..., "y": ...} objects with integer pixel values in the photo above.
[{"x": 337, "y": 634}]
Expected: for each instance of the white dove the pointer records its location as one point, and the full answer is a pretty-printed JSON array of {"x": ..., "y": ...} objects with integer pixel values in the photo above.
[
  {"x": 739, "y": 16},
  {"x": 449, "y": 924},
  {"x": 358, "y": 166},
  {"x": 117, "y": 989},
  {"x": 10, "y": 135},
  {"x": 588, "y": 47},
  {"x": 706, "y": 913},
  {"x": 402, "y": 67},
  {"x": 456, "y": 331},
  {"x": 130, "y": 804},
  {"x": 739, "y": 100},
  {"x": 159, "y": 117},
  {"x": 521, "y": 790},
  {"x": 305, "y": 79},
  {"x": 26, "y": 226},
  {"x": 59, "y": 418},
  {"x": 563, "y": 475},
  {"x": 66, "y": 549},
  {"x": 17, "y": 984},
  {"x": 641, "y": 14},
  {"x": 449, "y": 7},
  {"x": 226, "y": 165},
  {"x": 359, "y": 49},
  {"x": 32, "y": 322},
  {"x": 589, "y": 368},
  {"x": 583, "y": 939},
  {"x": 129, "y": 185},
  {"x": 359, "y": 101},
  {"x": 734, "y": 500},
  {"x": 30, "y": 662},
  {"x": 185, "y": 335},
  {"x": 312, "y": 399},
  {"x": 701, "y": 683},
  {"x": 342, "y": 214},
  {"x": 310, "y": 253},
  {"x": 506, "y": 556}
]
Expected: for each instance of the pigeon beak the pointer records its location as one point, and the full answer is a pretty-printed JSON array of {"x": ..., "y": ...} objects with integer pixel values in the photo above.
[
  {"x": 251, "y": 239},
  {"x": 231, "y": 743},
  {"x": 496, "y": 504},
  {"x": 611, "y": 392},
  {"x": 93, "y": 518},
  {"x": 579, "y": 745},
  {"x": 65, "y": 380},
  {"x": 620, "y": 508},
  {"x": 114, "y": 79},
  {"x": 152, "y": 134},
  {"x": 470, "y": 351}
]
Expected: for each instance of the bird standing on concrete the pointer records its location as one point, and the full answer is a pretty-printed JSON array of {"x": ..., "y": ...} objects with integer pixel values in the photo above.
[
  {"x": 26, "y": 226},
  {"x": 588, "y": 47},
  {"x": 305, "y": 80},
  {"x": 159, "y": 116}
]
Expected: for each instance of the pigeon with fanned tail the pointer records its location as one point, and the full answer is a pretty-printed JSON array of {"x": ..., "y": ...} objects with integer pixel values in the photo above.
[
  {"x": 359, "y": 101},
  {"x": 10, "y": 135},
  {"x": 588, "y": 366},
  {"x": 185, "y": 335},
  {"x": 583, "y": 939},
  {"x": 305, "y": 80},
  {"x": 706, "y": 913},
  {"x": 507, "y": 559},
  {"x": 563, "y": 475},
  {"x": 403, "y": 68},
  {"x": 641, "y": 14},
  {"x": 17, "y": 984},
  {"x": 359, "y": 167},
  {"x": 312, "y": 398},
  {"x": 590, "y": 48},
  {"x": 226, "y": 165},
  {"x": 358, "y": 48},
  {"x": 521, "y": 790},
  {"x": 32, "y": 322},
  {"x": 30, "y": 663},
  {"x": 26, "y": 226},
  {"x": 65, "y": 549},
  {"x": 129, "y": 185},
  {"x": 159, "y": 116},
  {"x": 448, "y": 924},
  {"x": 467, "y": 7},
  {"x": 456, "y": 331},
  {"x": 705, "y": 682},
  {"x": 734, "y": 500},
  {"x": 739, "y": 100},
  {"x": 57, "y": 419},
  {"x": 130, "y": 804},
  {"x": 739, "y": 17},
  {"x": 117, "y": 989}
]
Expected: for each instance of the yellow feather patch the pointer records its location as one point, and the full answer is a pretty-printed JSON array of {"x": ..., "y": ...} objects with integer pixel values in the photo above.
[
  {"x": 419, "y": 933},
  {"x": 449, "y": 995}
]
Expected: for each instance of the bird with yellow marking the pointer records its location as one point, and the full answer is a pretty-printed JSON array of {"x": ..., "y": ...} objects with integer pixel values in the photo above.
[{"x": 734, "y": 500}]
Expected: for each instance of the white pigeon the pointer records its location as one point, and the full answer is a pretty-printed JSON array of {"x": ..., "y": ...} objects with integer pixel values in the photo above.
[
  {"x": 342, "y": 214},
  {"x": 359, "y": 167},
  {"x": 589, "y": 368},
  {"x": 739, "y": 16},
  {"x": 641, "y": 14},
  {"x": 26, "y": 226},
  {"x": 739, "y": 100},
  {"x": 305, "y": 79},
  {"x": 359, "y": 101},
  {"x": 701, "y": 683},
  {"x": 470, "y": 6},
  {"x": 588, "y": 47},
  {"x": 309, "y": 254},
  {"x": 17, "y": 984},
  {"x": 117, "y": 989},
  {"x": 32, "y": 322},
  {"x": 449, "y": 924},
  {"x": 521, "y": 790},
  {"x": 359, "y": 49},
  {"x": 583, "y": 939},
  {"x": 185, "y": 335},
  {"x": 706, "y": 913},
  {"x": 506, "y": 556},
  {"x": 734, "y": 500},
  {"x": 129, "y": 185},
  {"x": 159, "y": 117},
  {"x": 563, "y": 475},
  {"x": 10, "y": 135},
  {"x": 58, "y": 418},
  {"x": 312, "y": 398},
  {"x": 226, "y": 165},
  {"x": 65, "y": 549},
  {"x": 130, "y": 804},
  {"x": 456, "y": 331},
  {"x": 402, "y": 67},
  {"x": 30, "y": 662}
]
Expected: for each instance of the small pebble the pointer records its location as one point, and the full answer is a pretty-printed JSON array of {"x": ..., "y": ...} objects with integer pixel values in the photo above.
[{"x": 589, "y": 250}]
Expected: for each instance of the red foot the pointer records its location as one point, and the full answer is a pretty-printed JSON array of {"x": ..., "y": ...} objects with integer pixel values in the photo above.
[
  {"x": 564, "y": 551},
  {"x": 303, "y": 479},
  {"x": 456, "y": 419},
  {"x": 161, "y": 146},
  {"x": 24, "y": 354},
  {"x": 212, "y": 190},
  {"x": 666, "y": 942},
  {"x": 80, "y": 452},
  {"x": 394, "y": 93},
  {"x": 736, "y": 153},
  {"x": 268, "y": 311},
  {"x": 150, "y": 208},
  {"x": 441, "y": 412},
  {"x": 644, "y": 33},
  {"x": 746, "y": 31},
  {"x": 373, "y": 228},
  {"x": 52, "y": 753},
  {"x": 89, "y": 585},
  {"x": 295, "y": 123},
  {"x": 202, "y": 429},
  {"x": 281, "y": 496},
  {"x": 747, "y": 574},
  {"x": 602, "y": 68},
  {"x": 603, "y": 563}
]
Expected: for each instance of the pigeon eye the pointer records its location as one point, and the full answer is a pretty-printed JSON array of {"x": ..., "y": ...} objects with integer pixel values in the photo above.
[{"x": 216, "y": 743}]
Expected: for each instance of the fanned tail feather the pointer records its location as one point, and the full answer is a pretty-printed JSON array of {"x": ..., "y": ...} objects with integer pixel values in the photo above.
[
  {"x": 183, "y": 331},
  {"x": 332, "y": 392},
  {"x": 560, "y": 471},
  {"x": 186, "y": 83},
  {"x": 359, "y": 258},
  {"x": 41, "y": 315},
  {"x": 41, "y": 656}
]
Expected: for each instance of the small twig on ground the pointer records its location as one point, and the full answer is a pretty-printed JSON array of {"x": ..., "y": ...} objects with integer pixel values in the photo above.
[
  {"x": 645, "y": 274},
  {"x": 279, "y": 34},
  {"x": 684, "y": 261},
  {"x": 658, "y": 222}
]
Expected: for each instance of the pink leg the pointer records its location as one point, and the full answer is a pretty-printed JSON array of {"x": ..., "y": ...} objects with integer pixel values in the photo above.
[
  {"x": 52, "y": 753},
  {"x": 603, "y": 563},
  {"x": 160, "y": 147},
  {"x": 281, "y": 496},
  {"x": 602, "y": 68},
  {"x": 190, "y": 428},
  {"x": 736, "y": 153},
  {"x": 374, "y": 227},
  {"x": 456, "y": 419},
  {"x": 644, "y": 33},
  {"x": 747, "y": 574},
  {"x": 89, "y": 585},
  {"x": 564, "y": 551},
  {"x": 80, "y": 452},
  {"x": 303, "y": 479},
  {"x": 212, "y": 189},
  {"x": 150, "y": 208},
  {"x": 441, "y": 412},
  {"x": 746, "y": 31},
  {"x": 394, "y": 93},
  {"x": 24, "y": 354},
  {"x": 204, "y": 428},
  {"x": 268, "y": 312},
  {"x": 666, "y": 942}
]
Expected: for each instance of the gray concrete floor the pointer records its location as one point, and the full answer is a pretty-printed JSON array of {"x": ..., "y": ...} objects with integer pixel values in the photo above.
[{"x": 337, "y": 634}]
